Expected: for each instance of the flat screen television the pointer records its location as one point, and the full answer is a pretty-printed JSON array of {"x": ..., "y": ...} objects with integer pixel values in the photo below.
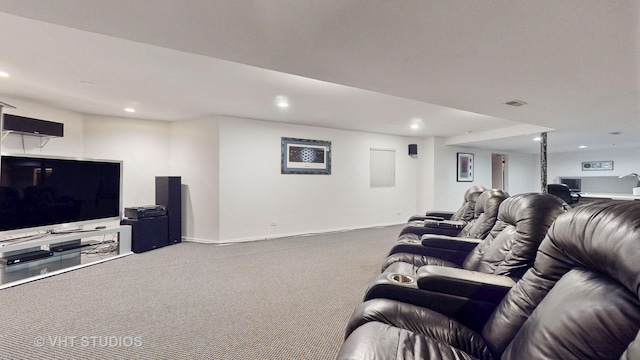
[
  {"x": 44, "y": 192},
  {"x": 575, "y": 185}
]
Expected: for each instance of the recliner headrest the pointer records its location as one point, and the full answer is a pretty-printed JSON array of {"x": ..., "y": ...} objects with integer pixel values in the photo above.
[
  {"x": 604, "y": 237},
  {"x": 466, "y": 211},
  {"x": 485, "y": 214},
  {"x": 489, "y": 202},
  {"x": 473, "y": 192},
  {"x": 525, "y": 207},
  {"x": 522, "y": 223}
]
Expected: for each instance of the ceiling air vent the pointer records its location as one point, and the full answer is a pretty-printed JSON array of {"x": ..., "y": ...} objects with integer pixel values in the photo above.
[
  {"x": 516, "y": 103},
  {"x": 615, "y": 133}
]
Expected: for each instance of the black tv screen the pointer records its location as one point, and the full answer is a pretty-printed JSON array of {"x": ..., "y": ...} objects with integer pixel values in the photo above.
[{"x": 36, "y": 192}]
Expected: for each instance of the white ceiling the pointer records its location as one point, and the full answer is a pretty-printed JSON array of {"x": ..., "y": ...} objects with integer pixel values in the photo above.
[{"x": 367, "y": 65}]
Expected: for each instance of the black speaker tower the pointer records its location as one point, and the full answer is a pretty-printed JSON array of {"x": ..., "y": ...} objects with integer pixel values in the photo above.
[{"x": 169, "y": 194}]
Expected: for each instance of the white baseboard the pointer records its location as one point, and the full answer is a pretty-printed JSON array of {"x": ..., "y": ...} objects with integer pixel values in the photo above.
[{"x": 279, "y": 236}]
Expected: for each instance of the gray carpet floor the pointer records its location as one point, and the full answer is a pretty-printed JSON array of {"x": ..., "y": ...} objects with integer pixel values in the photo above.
[{"x": 286, "y": 298}]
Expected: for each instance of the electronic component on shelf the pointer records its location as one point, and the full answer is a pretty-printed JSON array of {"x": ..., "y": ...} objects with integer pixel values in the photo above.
[
  {"x": 24, "y": 257},
  {"x": 74, "y": 245},
  {"x": 141, "y": 212}
]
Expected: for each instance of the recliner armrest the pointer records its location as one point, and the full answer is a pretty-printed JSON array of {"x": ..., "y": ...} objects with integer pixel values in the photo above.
[
  {"x": 447, "y": 224},
  {"x": 427, "y": 222},
  {"x": 460, "y": 282},
  {"x": 445, "y": 215},
  {"x": 450, "y": 242},
  {"x": 410, "y": 247},
  {"x": 449, "y": 248},
  {"x": 456, "y": 293},
  {"x": 426, "y": 218}
]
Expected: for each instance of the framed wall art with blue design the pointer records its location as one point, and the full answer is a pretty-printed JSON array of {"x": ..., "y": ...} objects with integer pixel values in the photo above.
[{"x": 303, "y": 156}]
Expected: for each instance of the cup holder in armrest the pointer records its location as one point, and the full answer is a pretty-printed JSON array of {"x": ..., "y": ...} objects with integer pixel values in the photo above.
[{"x": 402, "y": 279}]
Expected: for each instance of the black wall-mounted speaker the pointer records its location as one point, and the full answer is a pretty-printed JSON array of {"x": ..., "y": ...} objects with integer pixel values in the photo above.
[
  {"x": 25, "y": 125},
  {"x": 169, "y": 194},
  {"x": 413, "y": 149}
]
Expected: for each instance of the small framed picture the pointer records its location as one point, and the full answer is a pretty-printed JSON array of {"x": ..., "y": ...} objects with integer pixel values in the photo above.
[
  {"x": 465, "y": 167},
  {"x": 597, "y": 165}
]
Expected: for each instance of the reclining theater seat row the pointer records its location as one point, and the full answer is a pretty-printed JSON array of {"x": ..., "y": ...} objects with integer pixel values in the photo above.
[
  {"x": 485, "y": 211},
  {"x": 468, "y": 277},
  {"x": 580, "y": 300},
  {"x": 464, "y": 213},
  {"x": 518, "y": 226}
]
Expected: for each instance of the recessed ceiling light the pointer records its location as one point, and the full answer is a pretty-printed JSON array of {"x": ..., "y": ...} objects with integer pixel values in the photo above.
[
  {"x": 87, "y": 83},
  {"x": 582, "y": 147},
  {"x": 282, "y": 102},
  {"x": 131, "y": 110},
  {"x": 4, "y": 74},
  {"x": 537, "y": 138},
  {"x": 467, "y": 132},
  {"x": 415, "y": 123}
]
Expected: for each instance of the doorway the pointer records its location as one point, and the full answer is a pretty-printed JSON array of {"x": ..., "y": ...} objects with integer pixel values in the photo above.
[{"x": 500, "y": 172}]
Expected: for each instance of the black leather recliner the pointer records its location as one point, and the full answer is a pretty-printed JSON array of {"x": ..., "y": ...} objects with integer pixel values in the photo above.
[
  {"x": 456, "y": 275},
  {"x": 464, "y": 213},
  {"x": 563, "y": 192},
  {"x": 580, "y": 300},
  {"x": 485, "y": 212},
  {"x": 508, "y": 249},
  {"x": 484, "y": 217}
]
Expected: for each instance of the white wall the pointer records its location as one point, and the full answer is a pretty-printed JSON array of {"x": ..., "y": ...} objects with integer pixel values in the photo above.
[
  {"x": 195, "y": 158},
  {"x": 254, "y": 194},
  {"x": 425, "y": 183},
  {"x": 625, "y": 161},
  {"x": 524, "y": 173},
  {"x": 441, "y": 161},
  {"x": 232, "y": 186},
  {"x": 448, "y": 192},
  {"x": 142, "y": 145}
]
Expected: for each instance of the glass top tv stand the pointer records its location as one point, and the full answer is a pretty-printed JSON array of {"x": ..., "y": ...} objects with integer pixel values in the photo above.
[{"x": 67, "y": 251}]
